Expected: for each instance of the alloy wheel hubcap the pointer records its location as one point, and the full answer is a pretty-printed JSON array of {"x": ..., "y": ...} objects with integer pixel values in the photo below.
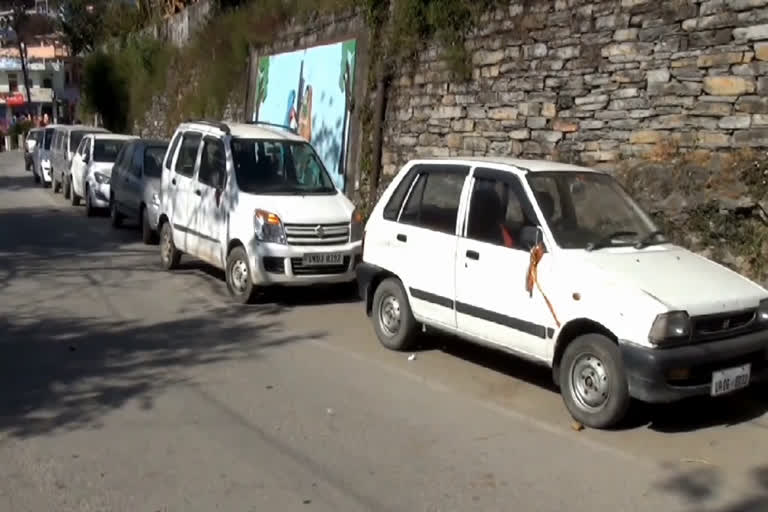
[
  {"x": 389, "y": 315},
  {"x": 239, "y": 276},
  {"x": 589, "y": 382},
  {"x": 167, "y": 246}
]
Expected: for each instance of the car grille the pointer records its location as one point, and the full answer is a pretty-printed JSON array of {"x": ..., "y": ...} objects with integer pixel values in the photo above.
[
  {"x": 317, "y": 234},
  {"x": 300, "y": 270},
  {"x": 723, "y": 325}
]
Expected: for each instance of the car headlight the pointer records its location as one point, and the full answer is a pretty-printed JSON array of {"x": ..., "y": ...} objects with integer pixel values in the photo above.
[
  {"x": 155, "y": 199},
  {"x": 356, "y": 227},
  {"x": 101, "y": 179},
  {"x": 672, "y": 327},
  {"x": 762, "y": 312},
  {"x": 268, "y": 227}
]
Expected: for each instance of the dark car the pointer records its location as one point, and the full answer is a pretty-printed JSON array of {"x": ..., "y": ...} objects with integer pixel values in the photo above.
[{"x": 135, "y": 185}]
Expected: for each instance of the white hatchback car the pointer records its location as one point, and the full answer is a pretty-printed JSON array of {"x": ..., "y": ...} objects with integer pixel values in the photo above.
[
  {"x": 256, "y": 201},
  {"x": 557, "y": 264},
  {"x": 90, "y": 172}
]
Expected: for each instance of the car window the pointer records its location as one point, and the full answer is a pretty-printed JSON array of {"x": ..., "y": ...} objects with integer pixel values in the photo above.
[
  {"x": 122, "y": 159},
  {"x": 48, "y": 138},
  {"x": 434, "y": 200},
  {"x": 153, "y": 156},
  {"x": 75, "y": 138},
  {"x": 81, "y": 147},
  {"x": 87, "y": 147},
  {"x": 395, "y": 203},
  {"x": 106, "y": 150},
  {"x": 135, "y": 160},
  {"x": 498, "y": 211},
  {"x": 185, "y": 163},
  {"x": 213, "y": 163},
  {"x": 174, "y": 145}
]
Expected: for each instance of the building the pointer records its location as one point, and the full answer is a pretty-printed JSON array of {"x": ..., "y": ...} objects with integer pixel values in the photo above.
[{"x": 52, "y": 72}]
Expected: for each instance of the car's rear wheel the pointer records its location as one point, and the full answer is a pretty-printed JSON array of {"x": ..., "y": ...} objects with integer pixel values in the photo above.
[
  {"x": 35, "y": 176},
  {"x": 148, "y": 235},
  {"x": 393, "y": 320},
  {"x": 169, "y": 255},
  {"x": 67, "y": 187},
  {"x": 238, "y": 275},
  {"x": 593, "y": 381},
  {"x": 74, "y": 198}
]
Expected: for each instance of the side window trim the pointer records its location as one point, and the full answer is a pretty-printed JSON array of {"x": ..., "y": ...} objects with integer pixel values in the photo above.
[
  {"x": 514, "y": 181},
  {"x": 427, "y": 171},
  {"x": 196, "y": 163},
  {"x": 170, "y": 157},
  {"x": 215, "y": 140},
  {"x": 417, "y": 174}
]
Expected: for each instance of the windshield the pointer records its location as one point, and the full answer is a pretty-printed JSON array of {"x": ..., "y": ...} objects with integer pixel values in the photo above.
[
  {"x": 279, "y": 167},
  {"x": 48, "y": 138},
  {"x": 106, "y": 150},
  {"x": 153, "y": 158},
  {"x": 590, "y": 210}
]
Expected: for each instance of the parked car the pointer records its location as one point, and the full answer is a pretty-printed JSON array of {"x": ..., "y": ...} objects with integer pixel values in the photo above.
[
  {"x": 34, "y": 136},
  {"x": 558, "y": 264},
  {"x": 41, "y": 170},
  {"x": 135, "y": 185},
  {"x": 92, "y": 168},
  {"x": 256, "y": 201},
  {"x": 66, "y": 139}
]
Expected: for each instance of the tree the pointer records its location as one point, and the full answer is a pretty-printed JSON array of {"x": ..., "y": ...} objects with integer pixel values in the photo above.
[{"x": 80, "y": 22}]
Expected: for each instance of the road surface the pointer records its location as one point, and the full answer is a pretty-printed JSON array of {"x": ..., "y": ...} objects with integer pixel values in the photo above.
[{"x": 127, "y": 388}]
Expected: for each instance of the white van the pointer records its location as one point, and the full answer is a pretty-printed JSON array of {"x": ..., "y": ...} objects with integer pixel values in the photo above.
[
  {"x": 256, "y": 201},
  {"x": 557, "y": 264}
]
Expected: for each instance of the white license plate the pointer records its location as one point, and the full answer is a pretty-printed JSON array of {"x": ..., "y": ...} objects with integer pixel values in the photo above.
[
  {"x": 320, "y": 259},
  {"x": 727, "y": 381}
]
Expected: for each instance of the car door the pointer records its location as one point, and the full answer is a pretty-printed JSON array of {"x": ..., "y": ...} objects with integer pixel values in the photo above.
[
  {"x": 210, "y": 217},
  {"x": 185, "y": 203},
  {"x": 119, "y": 178},
  {"x": 134, "y": 182},
  {"x": 427, "y": 232},
  {"x": 492, "y": 262},
  {"x": 78, "y": 166}
]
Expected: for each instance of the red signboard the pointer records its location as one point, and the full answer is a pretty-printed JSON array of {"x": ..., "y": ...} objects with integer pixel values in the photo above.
[{"x": 15, "y": 100}]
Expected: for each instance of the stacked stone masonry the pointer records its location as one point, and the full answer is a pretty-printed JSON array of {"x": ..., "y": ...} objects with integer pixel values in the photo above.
[{"x": 591, "y": 82}]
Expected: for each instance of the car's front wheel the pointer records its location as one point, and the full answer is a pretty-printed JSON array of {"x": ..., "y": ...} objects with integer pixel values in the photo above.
[
  {"x": 593, "y": 381},
  {"x": 238, "y": 275},
  {"x": 115, "y": 216},
  {"x": 90, "y": 211},
  {"x": 393, "y": 320},
  {"x": 148, "y": 235},
  {"x": 74, "y": 198}
]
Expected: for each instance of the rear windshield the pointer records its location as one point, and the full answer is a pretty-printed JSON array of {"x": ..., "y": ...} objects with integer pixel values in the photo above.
[
  {"x": 48, "y": 139},
  {"x": 75, "y": 138},
  {"x": 106, "y": 150},
  {"x": 153, "y": 158}
]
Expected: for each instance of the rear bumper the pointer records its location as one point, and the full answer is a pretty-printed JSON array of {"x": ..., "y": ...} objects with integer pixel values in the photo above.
[{"x": 648, "y": 369}]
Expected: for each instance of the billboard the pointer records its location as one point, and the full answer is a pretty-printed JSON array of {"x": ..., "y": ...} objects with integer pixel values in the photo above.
[{"x": 311, "y": 91}]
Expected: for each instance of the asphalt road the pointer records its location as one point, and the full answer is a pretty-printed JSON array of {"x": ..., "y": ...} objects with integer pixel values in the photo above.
[{"x": 127, "y": 388}]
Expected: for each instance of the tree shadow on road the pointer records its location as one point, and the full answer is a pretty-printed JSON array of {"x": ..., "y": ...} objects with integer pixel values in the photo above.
[
  {"x": 61, "y": 373},
  {"x": 18, "y": 182},
  {"x": 699, "y": 487}
]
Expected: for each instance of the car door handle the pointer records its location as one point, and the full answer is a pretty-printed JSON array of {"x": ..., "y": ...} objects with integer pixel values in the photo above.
[
  {"x": 199, "y": 192},
  {"x": 402, "y": 238},
  {"x": 473, "y": 255}
]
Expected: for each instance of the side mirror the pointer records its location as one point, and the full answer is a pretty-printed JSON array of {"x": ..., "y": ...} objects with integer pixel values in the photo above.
[{"x": 531, "y": 236}]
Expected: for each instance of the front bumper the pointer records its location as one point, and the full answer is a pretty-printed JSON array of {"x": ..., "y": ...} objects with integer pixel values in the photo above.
[
  {"x": 277, "y": 264},
  {"x": 648, "y": 369}
]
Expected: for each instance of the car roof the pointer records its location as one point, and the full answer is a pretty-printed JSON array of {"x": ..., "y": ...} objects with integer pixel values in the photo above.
[
  {"x": 519, "y": 163},
  {"x": 112, "y": 136},
  {"x": 257, "y": 130}
]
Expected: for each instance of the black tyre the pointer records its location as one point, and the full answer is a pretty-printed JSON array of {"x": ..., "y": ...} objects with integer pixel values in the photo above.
[
  {"x": 593, "y": 381},
  {"x": 90, "y": 211},
  {"x": 169, "y": 255},
  {"x": 238, "y": 275},
  {"x": 148, "y": 235},
  {"x": 35, "y": 176},
  {"x": 74, "y": 198},
  {"x": 392, "y": 317},
  {"x": 67, "y": 187},
  {"x": 115, "y": 217}
]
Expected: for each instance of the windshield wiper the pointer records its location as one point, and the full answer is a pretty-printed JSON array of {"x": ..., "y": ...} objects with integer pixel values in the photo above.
[
  {"x": 648, "y": 239},
  {"x": 606, "y": 240}
]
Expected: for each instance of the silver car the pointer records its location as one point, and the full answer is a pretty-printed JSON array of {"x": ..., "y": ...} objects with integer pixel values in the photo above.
[
  {"x": 135, "y": 185},
  {"x": 66, "y": 139}
]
